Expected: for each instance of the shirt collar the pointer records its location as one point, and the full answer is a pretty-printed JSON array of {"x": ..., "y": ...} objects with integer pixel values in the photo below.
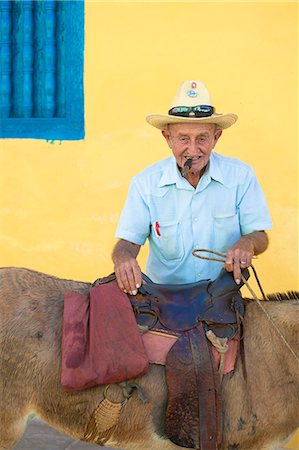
[
  {"x": 214, "y": 170},
  {"x": 171, "y": 173}
]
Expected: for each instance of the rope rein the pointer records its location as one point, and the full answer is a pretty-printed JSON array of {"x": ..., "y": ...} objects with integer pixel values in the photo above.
[{"x": 194, "y": 253}]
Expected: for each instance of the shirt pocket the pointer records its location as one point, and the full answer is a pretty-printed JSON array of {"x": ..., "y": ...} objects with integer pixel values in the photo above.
[
  {"x": 167, "y": 239},
  {"x": 226, "y": 230}
]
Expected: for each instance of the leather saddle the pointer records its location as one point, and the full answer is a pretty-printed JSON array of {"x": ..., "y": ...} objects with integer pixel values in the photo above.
[
  {"x": 181, "y": 307},
  {"x": 194, "y": 413}
]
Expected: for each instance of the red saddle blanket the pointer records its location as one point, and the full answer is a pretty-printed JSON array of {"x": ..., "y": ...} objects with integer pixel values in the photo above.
[{"x": 101, "y": 342}]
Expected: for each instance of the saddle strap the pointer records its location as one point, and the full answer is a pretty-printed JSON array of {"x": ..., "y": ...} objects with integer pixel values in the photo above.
[
  {"x": 193, "y": 416},
  {"x": 209, "y": 392}
]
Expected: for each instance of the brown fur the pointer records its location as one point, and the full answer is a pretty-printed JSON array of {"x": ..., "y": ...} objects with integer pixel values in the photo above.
[{"x": 259, "y": 413}]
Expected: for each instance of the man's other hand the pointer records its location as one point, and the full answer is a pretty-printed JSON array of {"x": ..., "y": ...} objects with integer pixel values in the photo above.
[
  {"x": 126, "y": 267},
  {"x": 240, "y": 255}
]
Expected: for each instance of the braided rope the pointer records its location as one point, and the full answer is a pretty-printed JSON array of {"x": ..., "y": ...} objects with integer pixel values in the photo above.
[{"x": 221, "y": 346}]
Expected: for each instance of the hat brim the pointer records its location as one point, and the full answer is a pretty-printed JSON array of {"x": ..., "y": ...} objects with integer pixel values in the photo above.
[{"x": 161, "y": 121}]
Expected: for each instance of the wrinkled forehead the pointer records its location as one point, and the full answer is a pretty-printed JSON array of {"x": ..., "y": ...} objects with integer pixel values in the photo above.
[{"x": 191, "y": 128}]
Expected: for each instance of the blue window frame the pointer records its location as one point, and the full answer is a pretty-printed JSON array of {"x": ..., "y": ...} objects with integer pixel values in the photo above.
[{"x": 41, "y": 69}]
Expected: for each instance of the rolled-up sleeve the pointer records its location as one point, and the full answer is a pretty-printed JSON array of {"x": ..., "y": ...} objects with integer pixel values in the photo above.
[
  {"x": 252, "y": 206},
  {"x": 134, "y": 222}
]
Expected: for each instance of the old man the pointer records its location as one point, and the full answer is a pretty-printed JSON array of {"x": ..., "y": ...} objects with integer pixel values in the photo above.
[{"x": 194, "y": 199}]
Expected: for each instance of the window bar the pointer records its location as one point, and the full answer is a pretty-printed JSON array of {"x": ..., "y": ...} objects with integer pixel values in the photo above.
[
  {"x": 50, "y": 58},
  {"x": 17, "y": 59},
  {"x": 27, "y": 58},
  {"x": 61, "y": 58},
  {"x": 5, "y": 58},
  {"x": 39, "y": 29}
]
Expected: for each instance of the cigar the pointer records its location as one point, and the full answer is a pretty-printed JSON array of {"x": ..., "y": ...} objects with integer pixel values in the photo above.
[{"x": 187, "y": 167}]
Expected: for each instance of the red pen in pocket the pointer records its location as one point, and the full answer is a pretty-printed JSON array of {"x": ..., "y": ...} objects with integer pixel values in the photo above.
[{"x": 157, "y": 228}]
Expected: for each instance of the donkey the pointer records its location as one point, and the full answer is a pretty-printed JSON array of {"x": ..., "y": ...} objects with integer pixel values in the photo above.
[{"x": 261, "y": 410}]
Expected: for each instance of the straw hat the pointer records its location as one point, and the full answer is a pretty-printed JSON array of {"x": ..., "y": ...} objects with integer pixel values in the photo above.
[{"x": 192, "y": 104}]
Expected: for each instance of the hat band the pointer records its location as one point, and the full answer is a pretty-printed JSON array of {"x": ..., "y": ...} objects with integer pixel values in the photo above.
[{"x": 192, "y": 111}]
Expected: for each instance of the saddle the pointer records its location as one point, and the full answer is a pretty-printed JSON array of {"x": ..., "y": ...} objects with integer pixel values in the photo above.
[
  {"x": 194, "y": 414},
  {"x": 182, "y": 307}
]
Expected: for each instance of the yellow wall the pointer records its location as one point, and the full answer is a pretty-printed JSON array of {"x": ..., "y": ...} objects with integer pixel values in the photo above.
[{"x": 60, "y": 203}]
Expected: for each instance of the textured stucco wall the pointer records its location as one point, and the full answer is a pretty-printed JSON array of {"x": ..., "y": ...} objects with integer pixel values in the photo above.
[{"x": 60, "y": 203}]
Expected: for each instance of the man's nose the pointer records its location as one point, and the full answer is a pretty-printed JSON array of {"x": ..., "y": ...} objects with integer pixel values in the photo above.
[{"x": 193, "y": 148}]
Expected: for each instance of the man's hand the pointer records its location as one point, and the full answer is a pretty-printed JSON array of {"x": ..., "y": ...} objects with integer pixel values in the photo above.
[
  {"x": 239, "y": 256},
  {"x": 126, "y": 267}
]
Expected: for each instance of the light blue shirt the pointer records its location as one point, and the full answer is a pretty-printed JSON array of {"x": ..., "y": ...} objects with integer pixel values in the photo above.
[{"x": 176, "y": 218}]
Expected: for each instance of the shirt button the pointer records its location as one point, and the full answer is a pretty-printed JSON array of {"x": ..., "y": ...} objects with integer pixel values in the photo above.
[
  {"x": 198, "y": 275},
  {"x": 195, "y": 219}
]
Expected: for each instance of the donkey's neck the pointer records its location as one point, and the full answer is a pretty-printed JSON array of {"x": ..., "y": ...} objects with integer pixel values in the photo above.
[
  {"x": 262, "y": 407},
  {"x": 271, "y": 334}
]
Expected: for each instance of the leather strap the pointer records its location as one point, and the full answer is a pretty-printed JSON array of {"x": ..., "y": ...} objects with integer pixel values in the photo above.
[
  {"x": 208, "y": 383},
  {"x": 104, "y": 280},
  {"x": 194, "y": 393},
  {"x": 182, "y": 414}
]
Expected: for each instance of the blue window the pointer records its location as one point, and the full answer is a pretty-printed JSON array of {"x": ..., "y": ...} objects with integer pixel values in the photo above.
[{"x": 41, "y": 69}]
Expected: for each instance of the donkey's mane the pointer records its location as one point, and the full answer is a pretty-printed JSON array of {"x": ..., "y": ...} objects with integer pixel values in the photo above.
[{"x": 282, "y": 296}]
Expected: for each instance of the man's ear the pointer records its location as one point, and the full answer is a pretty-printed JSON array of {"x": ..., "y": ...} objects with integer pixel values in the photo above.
[
  {"x": 166, "y": 135},
  {"x": 217, "y": 135}
]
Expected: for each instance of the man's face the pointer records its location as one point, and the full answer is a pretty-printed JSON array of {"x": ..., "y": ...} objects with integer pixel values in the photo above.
[{"x": 192, "y": 141}]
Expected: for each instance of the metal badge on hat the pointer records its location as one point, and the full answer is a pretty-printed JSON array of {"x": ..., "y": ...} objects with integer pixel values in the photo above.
[{"x": 192, "y": 92}]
